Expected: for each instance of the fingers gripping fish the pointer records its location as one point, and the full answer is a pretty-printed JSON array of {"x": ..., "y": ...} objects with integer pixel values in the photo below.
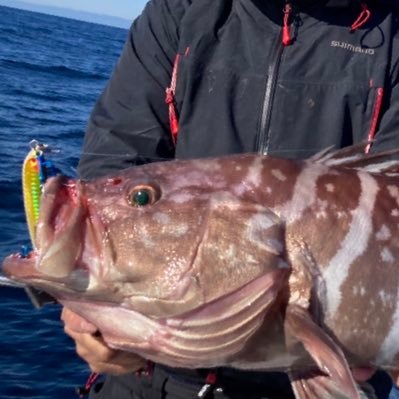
[{"x": 245, "y": 261}]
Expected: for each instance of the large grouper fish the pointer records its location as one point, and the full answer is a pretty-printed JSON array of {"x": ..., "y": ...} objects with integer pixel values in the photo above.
[{"x": 246, "y": 261}]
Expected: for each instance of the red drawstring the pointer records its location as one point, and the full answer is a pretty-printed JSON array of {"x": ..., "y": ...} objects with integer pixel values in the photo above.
[
  {"x": 286, "y": 37},
  {"x": 362, "y": 18},
  {"x": 170, "y": 100},
  {"x": 375, "y": 118},
  {"x": 173, "y": 121},
  {"x": 211, "y": 378},
  {"x": 210, "y": 382},
  {"x": 83, "y": 391}
]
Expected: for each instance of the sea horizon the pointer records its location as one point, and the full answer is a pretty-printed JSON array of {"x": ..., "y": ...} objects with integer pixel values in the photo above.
[{"x": 76, "y": 15}]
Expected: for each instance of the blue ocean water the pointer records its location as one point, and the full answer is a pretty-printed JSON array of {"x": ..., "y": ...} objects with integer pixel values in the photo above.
[{"x": 51, "y": 72}]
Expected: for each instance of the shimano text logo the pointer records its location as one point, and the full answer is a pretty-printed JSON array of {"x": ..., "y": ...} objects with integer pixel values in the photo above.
[{"x": 351, "y": 47}]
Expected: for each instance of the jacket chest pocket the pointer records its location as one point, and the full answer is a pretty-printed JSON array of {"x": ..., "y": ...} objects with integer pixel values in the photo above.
[{"x": 314, "y": 116}]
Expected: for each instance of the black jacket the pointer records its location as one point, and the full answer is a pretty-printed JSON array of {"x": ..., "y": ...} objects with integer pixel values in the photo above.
[{"x": 240, "y": 89}]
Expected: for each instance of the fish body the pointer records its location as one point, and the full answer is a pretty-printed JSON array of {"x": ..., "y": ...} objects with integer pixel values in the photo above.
[{"x": 246, "y": 261}]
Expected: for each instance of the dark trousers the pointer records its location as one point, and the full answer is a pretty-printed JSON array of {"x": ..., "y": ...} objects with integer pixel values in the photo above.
[{"x": 165, "y": 383}]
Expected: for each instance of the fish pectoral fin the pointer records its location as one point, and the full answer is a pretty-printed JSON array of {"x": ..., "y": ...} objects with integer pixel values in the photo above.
[
  {"x": 333, "y": 379},
  {"x": 318, "y": 385}
]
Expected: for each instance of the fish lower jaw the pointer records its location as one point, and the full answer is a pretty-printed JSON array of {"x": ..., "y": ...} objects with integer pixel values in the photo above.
[
  {"x": 20, "y": 268},
  {"x": 24, "y": 270}
]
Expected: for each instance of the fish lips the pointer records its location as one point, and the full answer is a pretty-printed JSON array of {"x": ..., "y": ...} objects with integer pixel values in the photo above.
[{"x": 60, "y": 228}]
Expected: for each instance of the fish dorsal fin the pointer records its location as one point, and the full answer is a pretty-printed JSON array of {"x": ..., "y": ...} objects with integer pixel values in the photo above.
[
  {"x": 353, "y": 157},
  {"x": 333, "y": 156}
]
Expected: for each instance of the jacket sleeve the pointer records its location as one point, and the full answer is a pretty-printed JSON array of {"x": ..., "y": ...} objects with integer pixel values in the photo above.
[{"x": 129, "y": 123}]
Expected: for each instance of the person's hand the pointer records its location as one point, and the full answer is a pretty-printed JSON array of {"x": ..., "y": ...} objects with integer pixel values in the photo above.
[{"x": 92, "y": 348}]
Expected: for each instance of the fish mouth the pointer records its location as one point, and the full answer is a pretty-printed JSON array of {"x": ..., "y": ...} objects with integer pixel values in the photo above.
[
  {"x": 65, "y": 235},
  {"x": 59, "y": 229}
]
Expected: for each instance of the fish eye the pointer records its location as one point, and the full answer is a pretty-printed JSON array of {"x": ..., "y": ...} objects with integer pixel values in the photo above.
[{"x": 143, "y": 195}]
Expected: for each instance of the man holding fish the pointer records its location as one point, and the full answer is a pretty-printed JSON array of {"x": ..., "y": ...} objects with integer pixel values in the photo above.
[{"x": 281, "y": 78}]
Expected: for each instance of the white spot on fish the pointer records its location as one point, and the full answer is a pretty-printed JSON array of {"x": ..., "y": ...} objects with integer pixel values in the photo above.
[
  {"x": 192, "y": 178},
  {"x": 146, "y": 238},
  {"x": 229, "y": 253},
  {"x": 322, "y": 205},
  {"x": 179, "y": 230},
  {"x": 227, "y": 200},
  {"x": 279, "y": 175},
  {"x": 209, "y": 165},
  {"x": 254, "y": 176},
  {"x": 161, "y": 218},
  {"x": 182, "y": 198},
  {"x": 394, "y": 192},
  {"x": 321, "y": 215},
  {"x": 386, "y": 299},
  {"x": 240, "y": 189},
  {"x": 386, "y": 255},
  {"x": 395, "y": 212},
  {"x": 383, "y": 234},
  {"x": 330, "y": 187},
  {"x": 353, "y": 245}
]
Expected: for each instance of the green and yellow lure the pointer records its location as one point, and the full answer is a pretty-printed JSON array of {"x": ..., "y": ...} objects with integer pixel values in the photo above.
[{"x": 35, "y": 171}]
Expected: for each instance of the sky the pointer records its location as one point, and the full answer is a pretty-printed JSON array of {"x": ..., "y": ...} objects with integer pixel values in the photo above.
[{"x": 127, "y": 9}]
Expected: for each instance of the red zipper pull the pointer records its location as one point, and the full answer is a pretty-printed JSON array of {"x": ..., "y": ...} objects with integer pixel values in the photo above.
[
  {"x": 362, "y": 18},
  {"x": 286, "y": 36}
]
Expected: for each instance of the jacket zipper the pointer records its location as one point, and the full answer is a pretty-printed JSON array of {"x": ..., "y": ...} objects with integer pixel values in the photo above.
[{"x": 273, "y": 69}]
